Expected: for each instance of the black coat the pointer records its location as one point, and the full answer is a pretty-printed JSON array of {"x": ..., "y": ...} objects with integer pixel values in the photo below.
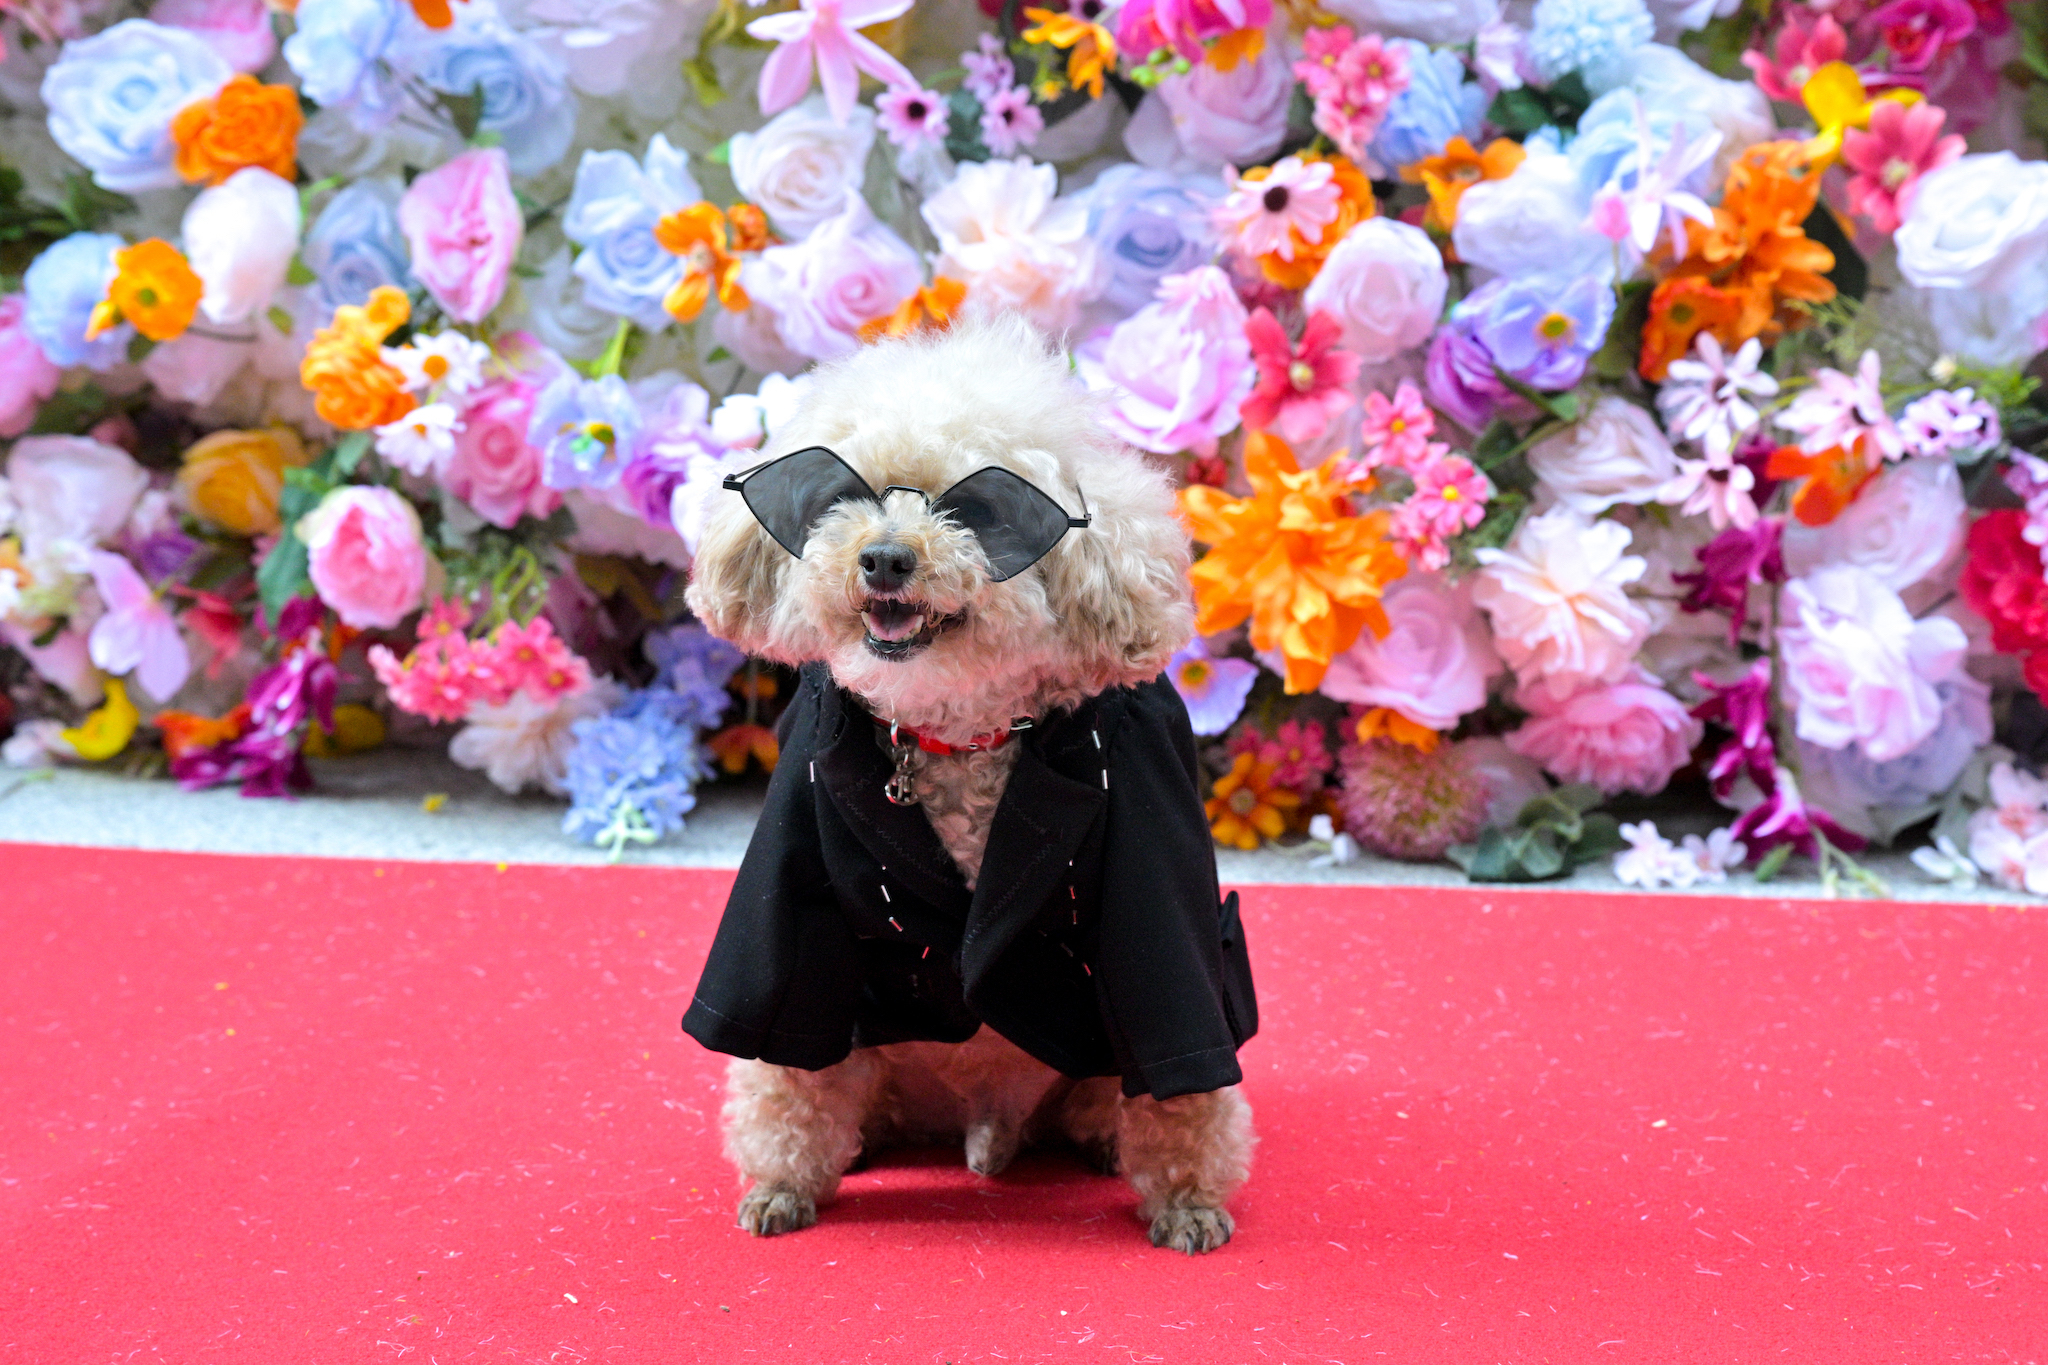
[{"x": 1094, "y": 938}]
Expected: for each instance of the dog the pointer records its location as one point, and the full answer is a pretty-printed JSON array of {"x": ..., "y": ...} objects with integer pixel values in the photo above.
[{"x": 974, "y": 647}]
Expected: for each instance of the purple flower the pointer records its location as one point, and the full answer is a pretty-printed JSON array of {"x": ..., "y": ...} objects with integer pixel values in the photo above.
[
  {"x": 692, "y": 668},
  {"x": 584, "y": 429},
  {"x": 1464, "y": 383},
  {"x": 137, "y": 633},
  {"x": 1744, "y": 708},
  {"x": 1783, "y": 817},
  {"x": 1213, "y": 687},
  {"x": 989, "y": 72},
  {"x": 1729, "y": 564},
  {"x": 676, "y": 437},
  {"x": 1540, "y": 329},
  {"x": 1946, "y": 423},
  {"x": 282, "y": 699},
  {"x": 912, "y": 117}
]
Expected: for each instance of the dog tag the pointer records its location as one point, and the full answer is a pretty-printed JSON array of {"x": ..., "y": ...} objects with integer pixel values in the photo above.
[{"x": 901, "y": 788}]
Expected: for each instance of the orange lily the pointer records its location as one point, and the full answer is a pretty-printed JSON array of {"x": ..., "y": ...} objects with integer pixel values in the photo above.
[
  {"x": 735, "y": 744},
  {"x": 930, "y": 309},
  {"x": 1833, "y": 479},
  {"x": 185, "y": 731},
  {"x": 698, "y": 235},
  {"x": 1090, "y": 48}
]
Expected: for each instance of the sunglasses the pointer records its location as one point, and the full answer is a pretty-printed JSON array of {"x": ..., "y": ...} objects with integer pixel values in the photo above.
[{"x": 1015, "y": 522}]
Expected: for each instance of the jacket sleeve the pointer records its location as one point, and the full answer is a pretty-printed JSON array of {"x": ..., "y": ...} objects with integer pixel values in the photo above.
[
  {"x": 776, "y": 985},
  {"x": 1175, "y": 1002}
]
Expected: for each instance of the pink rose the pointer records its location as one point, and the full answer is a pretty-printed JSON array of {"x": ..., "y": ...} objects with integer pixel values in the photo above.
[
  {"x": 1626, "y": 736},
  {"x": 495, "y": 469},
  {"x": 366, "y": 556},
  {"x": 1205, "y": 119},
  {"x": 850, "y": 270},
  {"x": 1177, "y": 369},
  {"x": 1433, "y": 664},
  {"x": 464, "y": 228},
  {"x": 1861, "y": 670},
  {"x": 238, "y": 30},
  {"x": 26, "y": 375}
]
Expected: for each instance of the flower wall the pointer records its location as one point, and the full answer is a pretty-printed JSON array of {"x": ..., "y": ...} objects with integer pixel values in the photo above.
[{"x": 1572, "y": 399}]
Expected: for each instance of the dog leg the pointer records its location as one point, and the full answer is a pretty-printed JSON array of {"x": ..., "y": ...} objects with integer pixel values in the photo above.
[
  {"x": 793, "y": 1133},
  {"x": 1088, "y": 1119},
  {"x": 1185, "y": 1157}
]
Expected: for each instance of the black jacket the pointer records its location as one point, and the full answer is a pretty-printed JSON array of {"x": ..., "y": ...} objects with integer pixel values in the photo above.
[{"x": 1094, "y": 938}]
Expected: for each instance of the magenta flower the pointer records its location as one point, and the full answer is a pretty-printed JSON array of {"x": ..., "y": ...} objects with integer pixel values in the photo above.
[
  {"x": 1301, "y": 387},
  {"x": 1394, "y": 431},
  {"x": 911, "y": 117},
  {"x": 824, "y": 33},
  {"x": 1011, "y": 121},
  {"x": 1783, "y": 817},
  {"x": 1729, "y": 564},
  {"x": 137, "y": 634},
  {"x": 1886, "y": 163},
  {"x": 1145, "y": 26},
  {"x": 283, "y": 699},
  {"x": 1916, "y": 32},
  {"x": 1805, "y": 44},
  {"x": 1744, "y": 708}
]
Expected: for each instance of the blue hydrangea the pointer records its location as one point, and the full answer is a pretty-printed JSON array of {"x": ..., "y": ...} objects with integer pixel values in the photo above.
[
  {"x": 112, "y": 97},
  {"x": 1438, "y": 105},
  {"x": 1588, "y": 36},
  {"x": 586, "y": 430},
  {"x": 692, "y": 667},
  {"x": 61, "y": 287},
  {"x": 342, "y": 52},
  {"x": 355, "y": 245},
  {"x": 526, "y": 99},
  {"x": 611, "y": 215},
  {"x": 630, "y": 775}
]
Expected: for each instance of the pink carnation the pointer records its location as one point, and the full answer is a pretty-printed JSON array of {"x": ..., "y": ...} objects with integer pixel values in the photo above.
[
  {"x": 495, "y": 469},
  {"x": 26, "y": 375},
  {"x": 366, "y": 557},
  {"x": 464, "y": 227},
  {"x": 1626, "y": 736}
]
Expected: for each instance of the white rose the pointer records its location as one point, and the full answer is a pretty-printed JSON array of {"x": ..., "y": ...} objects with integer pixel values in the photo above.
[
  {"x": 1208, "y": 119},
  {"x": 1429, "y": 21},
  {"x": 1558, "y": 596},
  {"x": 1907, "y": 525},
  {"x": 70, "y": 491},
  {"x": 1614, "y": 454},
  {"x": 1385, "y": 282},
  {"x": 1533, "y": 222},
  {"x": 1002, "y": 231},
  {"x": 239, "y": 237},
  {"x": 801, "y": 165},
  {"x": 1994, "y": 327},
  {"x": 1975, "y": 222}
]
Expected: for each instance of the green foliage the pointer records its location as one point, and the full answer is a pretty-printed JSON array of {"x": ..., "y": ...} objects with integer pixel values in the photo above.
[
  {"x": 1719, "y": 46},
  {"x": 963, "y": 127},
  {"x": 70, "y": 412},
  {"x": 1615, "y": 361},
  {"x": 1519, "y": 113},
  {"x": 28, "y": 224},
  {"x": 283, "y": 573},
  {"x": 466, "y": 112},
  {"x": 506, "y": 570},
  {"x": 1551, "y": 835},
  {"x": 1851, "y": 274}
]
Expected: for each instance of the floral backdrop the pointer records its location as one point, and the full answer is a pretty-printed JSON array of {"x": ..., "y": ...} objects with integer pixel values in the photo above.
[{"x": 1572, "y": 400}]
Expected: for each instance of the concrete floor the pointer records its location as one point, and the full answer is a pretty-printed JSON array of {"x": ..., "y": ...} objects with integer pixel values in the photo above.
[{"x": 374, "y": 806}]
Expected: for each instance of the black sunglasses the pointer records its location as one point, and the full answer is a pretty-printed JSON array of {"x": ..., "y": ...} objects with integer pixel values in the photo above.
[{"x": 1015, "y": 521}]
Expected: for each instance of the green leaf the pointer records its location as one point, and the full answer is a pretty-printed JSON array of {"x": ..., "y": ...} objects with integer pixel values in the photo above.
[
  {"x": 963, "y": 127},
  {"x": 298, "y": 272},
  {"x": 718, "y": 354},
  {"x": 348, "y": 453},
  {"x": 1850, "y": 275},
  {"x": 721, "y": 155},
  {"x": 1541, "y": 857},
  {"x": 703, "y": 79},
  {"x": 282, "y": 575},
  {"x": 466, "y": 112},
  {"x": 279, "y": 319},
  {"x": 307, "y": 193},
  {"x": 1602, "y": 837},
  {"x": 1773, "y": 863},
  {"x": 1518, "y": 113},
  {"x": 1580, "y": 796},
  {"x": 613, "y": 358},
  {"x": 139, "y": 347},
  {"x": 1615, "y": 361},
  {"x": 1562, "y": 406}
]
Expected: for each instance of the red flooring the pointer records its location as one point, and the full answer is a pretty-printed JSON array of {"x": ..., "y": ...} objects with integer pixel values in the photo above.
[{"x": 299, "y": 1111}]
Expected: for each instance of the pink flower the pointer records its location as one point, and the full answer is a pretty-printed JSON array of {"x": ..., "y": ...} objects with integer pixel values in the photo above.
[
  {"x": 1450, "y": 496},
  {"x": 366, "y": 557},
  {"x": 1352, "y": 82},
  {"x": 494, "y": 468},
  {"x": 137, "y": 634},
  {"x": 1939, "y": 425},
  {"x": 532, "y": 659},
  {"x": 989, "y": 70},
  {"x": 1744, "y": 708},
  {"x": 1011, "y": 121},
  {"x": 1295, "y": 196},
  {"x": 1839, "y": 409},
  {"x": 912, "y": 117},
  {"x": 1176, "y": 370},
  {"x": 26, "y": 375},
  {"x": 464, "y": 227},
  {"x": 1625, "y": 736},
  {"x": 421, "y": 685},
  {"x": 1144, "y": 26},
  {"x": 826, "y": 33},
  {"x": 1301, "y": 388},
  {"x": 1433, "y": 663},
  {"x": 1394, "y": 432},
  {"x": 1726, "y": 493},
  {"x": 1886, "y": 163},
  {"x": 1805, "y": 44},
  {"x": 849, "y": 271},
  {"x": 239, "y": 30},
  {"x": 1859, "y": 668}
]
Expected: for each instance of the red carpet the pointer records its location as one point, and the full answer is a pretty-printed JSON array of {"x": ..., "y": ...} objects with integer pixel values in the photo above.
[{"x": 297, "y": 1111}]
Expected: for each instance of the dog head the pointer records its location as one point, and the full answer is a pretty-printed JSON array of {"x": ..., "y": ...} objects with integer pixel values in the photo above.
[{"x": 894, "y": 589}]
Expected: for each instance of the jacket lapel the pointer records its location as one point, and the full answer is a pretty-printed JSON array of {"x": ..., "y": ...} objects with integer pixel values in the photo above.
[
  {"x": 1038, "y": 826},
  {"x": 854, "y": 769}
]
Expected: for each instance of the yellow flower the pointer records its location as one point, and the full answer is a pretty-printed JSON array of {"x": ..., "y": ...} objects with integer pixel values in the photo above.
[
  {"x": 1090, "y": 48},
  {"x": 353, "y": 386},
  {"x": 357, "y": 730},
  {"x": 1835, "y": 98},
  {"x": 1247, "y": 806},
  {"x": 154, "y": 288},
  {"x": 233, "y": 478},
  {"x": 105, "y": 732},
  {"x": 1293, "y": 557}
]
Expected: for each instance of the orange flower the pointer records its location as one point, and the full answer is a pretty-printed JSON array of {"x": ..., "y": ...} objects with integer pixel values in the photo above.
[
  {"x": 185, "y": 731},
  {"x": 930, "y": 309},
  {"x": 735, "y": 744},
  {"x": 749, "y": 227},
  {"x": 698, "y": 235},
  {"x": 1238, "y": 45},
  {"x": 1354, "y": 205},
  {"x": 434, "y": 13},
  {"x": 1382, "y": 720},
  {"x": 244, "y": 123},
  {"x": 1090, "y": 48},
  {"x": 1833, "y": 479},
  {"x": 1247, "y": 805},
  {"x": 1293, "y": 558},
  {"x": 353, "y": 386},
  {"x": 1680, "y": 309},
  {"x": 1447, "y": 177},
  {"x": 154, "y": 288}
]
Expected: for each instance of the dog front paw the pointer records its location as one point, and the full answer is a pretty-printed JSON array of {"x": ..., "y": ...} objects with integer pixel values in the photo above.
[
  {"x": 768, "y": 1210},
  {"x": 1193, "y": 1230}
]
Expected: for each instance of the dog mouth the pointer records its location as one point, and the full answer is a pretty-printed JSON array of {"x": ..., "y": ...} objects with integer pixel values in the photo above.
[{"x": 897, "y": 629}]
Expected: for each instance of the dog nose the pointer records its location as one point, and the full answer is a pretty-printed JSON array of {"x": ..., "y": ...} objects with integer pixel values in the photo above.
[{"x": 888, "y": 566}]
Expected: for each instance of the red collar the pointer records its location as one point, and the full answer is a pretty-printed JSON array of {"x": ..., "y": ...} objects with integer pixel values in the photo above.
[{"x": 902, "y": 735}]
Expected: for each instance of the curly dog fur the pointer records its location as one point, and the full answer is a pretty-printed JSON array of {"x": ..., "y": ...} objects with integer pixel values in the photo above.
[{"x": 1105, "y": 608}]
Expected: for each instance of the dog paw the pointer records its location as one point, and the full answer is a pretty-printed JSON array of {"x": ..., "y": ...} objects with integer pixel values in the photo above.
[
  {"x": 990, "y": 1148},
  {"x": 767, "y": 1211},
  {"x": 1193, "y": 1230}
]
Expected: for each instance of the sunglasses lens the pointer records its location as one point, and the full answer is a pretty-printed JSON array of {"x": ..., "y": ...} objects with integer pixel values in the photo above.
[
  {"x": 1014, "y": 520},
  {"x": 789, "y": 495}
]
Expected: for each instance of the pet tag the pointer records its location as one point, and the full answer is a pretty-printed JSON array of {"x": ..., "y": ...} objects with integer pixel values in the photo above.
[{"x": 901, "y": 788}]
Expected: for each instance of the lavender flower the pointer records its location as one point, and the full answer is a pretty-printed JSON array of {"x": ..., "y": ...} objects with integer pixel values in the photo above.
[
  {"x": 1540, "y": 329},
  {"x": 630, "y": 775},
  {"x": 585, "y": 430},
  {"x": 1214, "y": 688}
]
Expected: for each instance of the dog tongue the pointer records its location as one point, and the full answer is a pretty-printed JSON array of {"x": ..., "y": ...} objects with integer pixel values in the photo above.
[{"x": 889, "y": 622}]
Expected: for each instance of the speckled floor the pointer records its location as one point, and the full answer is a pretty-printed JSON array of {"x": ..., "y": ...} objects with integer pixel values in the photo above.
[{"x": 375, "y": 806}]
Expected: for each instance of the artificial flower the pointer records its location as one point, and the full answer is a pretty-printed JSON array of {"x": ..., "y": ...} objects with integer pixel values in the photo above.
[
  {"x": 912, "y": 117},
  {"x": 1432, "y": 666},
  {"x": 1177, "y": 371},
  {"x": 240, "y": 235},
  {"x": 737, "y": 745},
  {"x": 930, "y": 309},
  {"x": 1831, "y": 479},
  {"x": 1450, "y": 497},
  {"x": 1302, "y": 386},
  {"x": 154, "y": 290},
  {"x": 826, "y": 34},
  {"x": 1291, "y": 225},
  {"x": 366, "y": 555},
  {"x": 1003, "y": 233},
  {"x": 698, "y": 235},
  {"x": 1836, "y": 101},
  {"x": 1614, "y": 454},
  {"x": 353, "y": 386},
  {"x": 1352, "y": 81},
  {"x": 137, "y": 633},
  {"x": 1385, "y": 282},
  {"x": 106, "y": 730},
  {"x": 1558, "y": 597},
  {"x": 1395, "y": 431},
  {"x": 1213, "y": 687},
  {"x": 1090, "y": 48},
  {"x": 1247, "y": 806},
  {"x": 464, "y": 227},
  {"x": 1907, "y": 525},
  {"x": 1456, "y": 169},
  {"x": 1903, "y": 144},
  {"x": 1860, "y": 668},
  {"x": 1706, "y": 397},
  {"x": 1404, "y": 801},
  {"x": 1630, "y": 735},
  {"x": 27, "y": 376},
  {"x": 244, "y": 123},
  {"x": 113, "y": 97},
  {"x": 234, "y": 479},
  {"x": 799, "y": 167}
]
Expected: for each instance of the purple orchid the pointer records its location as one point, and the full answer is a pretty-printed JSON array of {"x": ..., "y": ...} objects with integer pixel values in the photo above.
[
  {"x": 1783, "y": 817},
  {"x": 283, "y": 698},
  {"x": 1744, "y": 707}
]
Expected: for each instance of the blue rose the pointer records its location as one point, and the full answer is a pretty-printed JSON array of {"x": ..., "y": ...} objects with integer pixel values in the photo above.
[
  {"x": 611, "y": 215},
  {"x": 340, "y": 53},
  {"x": 1149, "y": 224},
  {"x": 62, "y": 287},
  {"x": 1438, "y": 105},
  {"x": 1606, "y": 150},
  {"x": 526, "y": 99},
  {"x": 112, "y": 97},
  {"x": 355, "y": 245}
]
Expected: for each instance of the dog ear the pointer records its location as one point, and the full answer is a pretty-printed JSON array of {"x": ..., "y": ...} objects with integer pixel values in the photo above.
[
  {"x": 736, "y": 576},
  {"x": 1119, "y": 586}
]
